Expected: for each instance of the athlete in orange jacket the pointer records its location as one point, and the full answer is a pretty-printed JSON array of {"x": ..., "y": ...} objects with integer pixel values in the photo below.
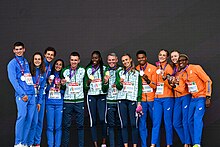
[{"x": 199, "y": 85}]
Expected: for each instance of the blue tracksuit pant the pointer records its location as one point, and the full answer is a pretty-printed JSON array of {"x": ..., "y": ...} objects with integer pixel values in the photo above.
[
  {"x": 128, "y": 109},
  {"x": 70, "y": 109},
  {"x": 146, "y": 107},
  {"x": 40, "y": 122},
  {"x": 54, "y": 115},
  {"x": 180, "y": 118},
  {"x": 33, "y": 128},
  {"x": 97, "y": 102},
  {"x": 112, "y": 122},
  {"x": 24, "y": 118},
  {"x": 195, "y": 116},
  {"x": 163, "y": 106}
]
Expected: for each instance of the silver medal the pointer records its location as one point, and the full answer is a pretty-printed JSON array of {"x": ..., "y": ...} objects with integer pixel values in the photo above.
[
  {"x": 158, "y": 71},
  {"x": 141, "y": 72},
  {"x": 22, "y": 78}
]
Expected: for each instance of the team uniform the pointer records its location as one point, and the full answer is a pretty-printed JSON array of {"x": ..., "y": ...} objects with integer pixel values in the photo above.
[
  {"x": 147, "y": 100},
  {"x": 73, "y": 103},
  {"x": 20, "y": 77},
  {"x": 199, "y": 85},
  {"x": 39, "y": 128},
  {"x": 163, "y": 105},
  {"x": 181, "y": 107},
  {"x": 129, "y": 94},
  {"x": 54, "y": 112},
  {"x": 112, "y": 108},
  {"x": 96, "y": 99},
  {"x": 39, "y": 80}
]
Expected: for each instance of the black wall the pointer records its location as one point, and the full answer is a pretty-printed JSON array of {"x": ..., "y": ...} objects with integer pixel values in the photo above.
[{"x": 121, "y": 26}]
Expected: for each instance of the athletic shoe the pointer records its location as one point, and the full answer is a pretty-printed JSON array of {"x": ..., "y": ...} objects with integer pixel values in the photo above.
[
  {"x": 197, "y": 145},
  {"x": 103, "y": 145}
]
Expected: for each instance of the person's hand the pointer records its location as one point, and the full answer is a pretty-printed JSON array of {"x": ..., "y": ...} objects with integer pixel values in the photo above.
[
  {"x": 145, "y": 77},
  {"x": 208, "y": 102},
  {"x": 106, "y": 78},
  {"x": 38, "y": 107},
  {"x": 63, "y": 81},
  {"x": 25, "y": 98},
  {"x": 50, "y": 81}
]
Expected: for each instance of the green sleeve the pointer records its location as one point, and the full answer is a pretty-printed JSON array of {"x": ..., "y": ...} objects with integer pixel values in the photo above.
[
  {"x": 63, "y": 87},
  {"x": 105, "y": 86},
  {"x": 119, "y": 86},
  {"x": 86, "y": 78},
  {"x": 139, "y": 89}
]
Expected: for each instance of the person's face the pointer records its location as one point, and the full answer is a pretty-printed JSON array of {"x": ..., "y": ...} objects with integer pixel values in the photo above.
[
  {"x": 174, "y": 56},
  {"x": 162, "y": 56},
  {"x": 183, "y": 62},
  {"x": 126, "y": 61},
  {"x": 74, "y": 61},
  {"x": 49, "y": 56},
  {"x": 37, "y": 60},
  {"x": 96, "y": 59},
  {"x": 19, "y": 50},
  {"x": 58, "y": 66},
  {"x": 142, "y": 59},
  {"x": 112, "y": 60}
]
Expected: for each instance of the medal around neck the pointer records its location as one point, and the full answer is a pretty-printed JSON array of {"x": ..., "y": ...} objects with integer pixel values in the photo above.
[
  {"x": 158, "y": 71},
  {"x": 52, "y": 77},
  {"x": 141, "y": 72},
  {"x": 91, "y": 77},
  {"x": 22, "y": 78},
  {"x": 107, "y": 73}
]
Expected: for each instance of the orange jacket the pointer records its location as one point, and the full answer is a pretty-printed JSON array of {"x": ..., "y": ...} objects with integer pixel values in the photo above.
[
  {"x": 182, "y": 88},
  {"x": 197, "y": 75},
  {"x": 167, "y": 91},
  {"x": 150, "y": 71}
]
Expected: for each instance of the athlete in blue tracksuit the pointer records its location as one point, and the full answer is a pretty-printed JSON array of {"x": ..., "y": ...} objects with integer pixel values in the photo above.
[
  {"x": 109, "y": 86},
  {"x": 39, "y": 79},
  {"x": 20, "y": 77},
  {"x": 73, "y": 75},
  {"x": 54, "y": 105},
  {"x": 96, "y": 100},
  {"x": 49, "y": 55}
]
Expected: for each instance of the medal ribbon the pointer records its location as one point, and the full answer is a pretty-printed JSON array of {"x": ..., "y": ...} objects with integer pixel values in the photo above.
[
  {"x": 145, "y": 66},
  {"x": 127, "y": 70},
  {"x": 21, "y": 67},
  {"x": 72, "y": 73},
  {"x": 94, "y": 69}
]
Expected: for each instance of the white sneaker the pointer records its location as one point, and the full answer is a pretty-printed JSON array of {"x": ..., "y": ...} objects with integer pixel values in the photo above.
[
  {"x": 18, "y": 145},
  {"x": 103, "y": 145}
]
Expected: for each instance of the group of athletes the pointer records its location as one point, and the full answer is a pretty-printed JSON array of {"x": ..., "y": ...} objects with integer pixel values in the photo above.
[{"x": 177, "y": 91}]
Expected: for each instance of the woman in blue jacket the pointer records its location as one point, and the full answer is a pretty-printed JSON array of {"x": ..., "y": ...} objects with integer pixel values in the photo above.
[
  {"x": 54, "y": 105},
  {"x": 37, "y": 68}
]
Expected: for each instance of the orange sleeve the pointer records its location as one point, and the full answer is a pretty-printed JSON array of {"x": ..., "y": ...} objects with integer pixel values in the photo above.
[{"x": 205, "y": 78}]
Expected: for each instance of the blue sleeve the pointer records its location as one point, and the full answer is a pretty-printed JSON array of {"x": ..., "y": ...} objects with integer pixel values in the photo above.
[{"x": 13, "y": 79}]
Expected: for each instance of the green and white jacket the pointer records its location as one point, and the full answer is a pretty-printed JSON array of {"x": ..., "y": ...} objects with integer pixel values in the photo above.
[
  {"x": 95, "y": 87},
  {"x": 74, "y": 85},
  {"x": 110, "y": 88},
  {"x": 131, "y": 88}
]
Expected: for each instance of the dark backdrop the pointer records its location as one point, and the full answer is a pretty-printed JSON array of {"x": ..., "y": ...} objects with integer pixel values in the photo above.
[{"x": 121, "y": 26}]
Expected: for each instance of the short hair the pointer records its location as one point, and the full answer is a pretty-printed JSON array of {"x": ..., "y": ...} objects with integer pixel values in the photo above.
[
  {"x": 18, "y": 44},
  {"x": 112, "y": 54},
  {"x": 184, "y": 55},
  {"x": 75, "y": 54},
  {"x": 141, "y": 52},
  {"x": 50, "y": 49}
]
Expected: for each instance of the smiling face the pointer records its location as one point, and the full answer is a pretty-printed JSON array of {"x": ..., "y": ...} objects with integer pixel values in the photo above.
[
  {"x": 74, "y": 61},
  {"x": 37, "y": 60},
  {"x": 58, "y": 66},
  {"x": 183, "y": 62},
  {"x": 126, "y": 61},
  {"x": 19, "y": 50},
  {"x": 49, "y": 56},
  {"x": 142, "y": 59},
  {"x": 96, "y": 59},
  {"x": 174, "y": 56},
  {"x": 162, "y": 56},
  {"x": 112, "y": 61}
]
